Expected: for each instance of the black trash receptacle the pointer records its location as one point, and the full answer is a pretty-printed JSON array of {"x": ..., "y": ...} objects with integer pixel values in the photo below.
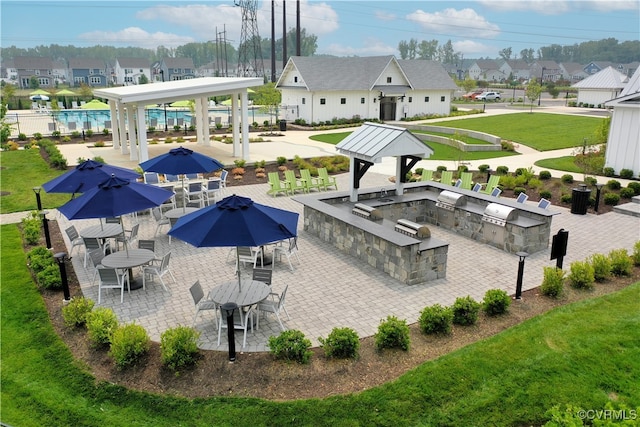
[
  {"x": 580, "y": 200},
  {"x": 283, "y": 125}
]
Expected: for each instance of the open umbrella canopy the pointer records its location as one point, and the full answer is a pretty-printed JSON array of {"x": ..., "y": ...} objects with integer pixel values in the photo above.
[
  {"x": 181, "y": 104},
  {"x": 115, "y": 197},
  {"x": 180, "y": 161},
  {"x": 65, "y": 92},
  {"x": 39, "y": 92},
  {"x": 95, "y": 104},
  {"x": 85, "y": 176},
  {"x": 236, "y": 221},
  {"x": 39, "y": 98}
]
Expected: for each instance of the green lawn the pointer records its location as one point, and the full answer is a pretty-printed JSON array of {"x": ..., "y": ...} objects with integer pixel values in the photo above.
[
  {"x": 23, "y": 170},
  {"x": 565, "y": 163},
  {"x": 581, "y": 354},
  {"x": 541, "y": 131},
  {"x": 461, "y": 137},
  {"x": 440, "y": 151}
]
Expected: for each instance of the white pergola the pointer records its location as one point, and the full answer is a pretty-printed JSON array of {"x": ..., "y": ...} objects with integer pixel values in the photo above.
[{"x": 127, "y": 105}]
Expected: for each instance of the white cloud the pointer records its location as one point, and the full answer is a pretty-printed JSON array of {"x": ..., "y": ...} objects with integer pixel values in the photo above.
[
  {"x": 371, "y": 47},
  {"x": 135, "y": 36},
  {"x": 558, "y": 7},
  {"x": 464, "y": 22},
  {"x": 470, "y": 48},
  {"x": 316, "y": 18},
  {"x": 385, "y": 16}
]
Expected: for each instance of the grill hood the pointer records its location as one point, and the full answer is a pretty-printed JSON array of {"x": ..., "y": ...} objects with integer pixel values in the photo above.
[{"x": 499, "y": 214}]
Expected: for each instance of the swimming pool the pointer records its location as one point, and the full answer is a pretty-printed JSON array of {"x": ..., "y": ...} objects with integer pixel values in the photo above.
[{"x": 155, "y": 117}]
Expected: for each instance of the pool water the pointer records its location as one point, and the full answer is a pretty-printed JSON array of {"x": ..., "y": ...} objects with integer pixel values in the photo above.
[{"x": 155, "y": 117}]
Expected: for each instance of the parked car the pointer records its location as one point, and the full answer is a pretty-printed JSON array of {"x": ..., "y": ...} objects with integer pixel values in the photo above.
[
  {"x": 488, "y": 96},
  {"x": 471, "y": 95}
]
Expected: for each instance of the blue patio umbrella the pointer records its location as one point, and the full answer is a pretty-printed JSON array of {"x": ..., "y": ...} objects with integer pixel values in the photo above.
[
  {"x": 85, "y": 176},
  {"x": 236, "y": 221},
  {"x": 180, "y": 161},
  {"x": 115, "y": 197}
]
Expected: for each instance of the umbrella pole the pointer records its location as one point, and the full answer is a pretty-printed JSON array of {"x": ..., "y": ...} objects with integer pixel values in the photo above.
[
  {"x": 184, "y": 199},
  {"x": 238, "y": 268}
]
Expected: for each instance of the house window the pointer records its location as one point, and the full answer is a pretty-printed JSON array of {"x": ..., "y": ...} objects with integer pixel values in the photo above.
[
  {"x": 388, "y": 79},
  {"x": 295, "y": 79},
  {"x": 361, "y": 100},
  {"x": 343, "y": 101},
  {"x": 95, "y": 80},
  {"x": 128, "y": 71},
  {"x": 304, "y": 101},
  {"x": 128, "y": 79},
  {"x": 426, "y": 99},
  {"x": 37, "y": 72},
  {"x": 78, "y": 79},
  {"x": 410, "y": 98},
  {"x": 442, "y": 99},
  {"x": 323, "y": 101},
  {"x": 91, "y": 71},
  {"x": 43, "y": 81}
]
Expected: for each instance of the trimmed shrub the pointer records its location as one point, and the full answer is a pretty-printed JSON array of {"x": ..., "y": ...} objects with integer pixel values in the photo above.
[
  {"x": 465, "y": 311},
  {"x": 614, "y": 184},
  {"x": 518, "y": 190},
  {"x": 601, "y": 267},
  {"x": 544, "y": 175},
  {"x": 342, "y": 343},
  {"x": 496, "y": 302},
  {"x": 179, "y": 347},
  {"x": 565, "y": 198},
  {"x": 441, "y": 168},
  {"x": 75, "y": 313},
  {"x": 611, "y": 199},
  {"x": 626, "y": 173},
  {"x": 484, "y": 168},
  {"x": 280, "y": 160},
  {"x": 392, "y": 333},
  {"x": 627, "y": 193},
  {"x": 31, "y": 228},
  {"x": 635, "y": 256},
  {"x": 290, "y": 345},
  {"x": 40, "y": 258},
  {"x": 128, "y": 344},
  {"x": 620, "y": 262},
  {"x": 545, "y": 194},
  {"x": 567, "y": 178},
  {"x": 101, "y": 323},
  {"x": 436, "y": 319},
  {"x": 635, "y": 186},
  {"x": 581, "y": 275},
  {"x": 552, "y": 282},
  {"x": 502, "y": 170},
  {"x": 49, "y": 278},
  {"x": 590, "y": 181}
]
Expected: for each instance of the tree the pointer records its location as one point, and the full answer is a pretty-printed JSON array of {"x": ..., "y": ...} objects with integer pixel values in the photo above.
[
  {"x": 268, "y": 97},
  {"x": 33, "y": 82},
  {"x": 8, "y": 92},
  {"x": 143, "y": 80},
  {"x": 527, "y": 55},
  {"x": 505, "y": 53},
  {"x": 5, "y": 127},
  {"x": 533, "y": 91},
  {"x": 428, "y": 49},
  {"x": 468, "y": 83},
  {"x": 403, "y": 49}
]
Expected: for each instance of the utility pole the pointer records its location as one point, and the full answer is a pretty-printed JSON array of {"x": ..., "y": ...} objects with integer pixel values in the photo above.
[
  {"x": 284, "y": 33},
  {"x": 298, "y": 48},
  {"x": 249, "y": 52},
  {"x": 273, "y": 41}
]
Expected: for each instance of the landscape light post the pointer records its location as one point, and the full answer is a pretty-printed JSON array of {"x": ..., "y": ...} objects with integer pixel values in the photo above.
[
  {"x": 598, "y": 190},
  {"x": 522, "y": 256},
  {"x": 43, "y": 215},
  {"x": 60, "y": 258},
  {"x": 541, "y": 80}
]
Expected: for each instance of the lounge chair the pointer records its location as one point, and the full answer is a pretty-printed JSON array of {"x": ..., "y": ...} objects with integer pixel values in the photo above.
[
  {"x": 466, "y": 178},
  {"x": 292, "y": 183},
  {"x": 493, "y": 182},
  {"x": 327, "y": 181},
  {"x": 276, "y": 186},
  {"x": 446, "y": 177},
  {"x": 309, "y": 181},
  {"x": 427, "y": 175}
]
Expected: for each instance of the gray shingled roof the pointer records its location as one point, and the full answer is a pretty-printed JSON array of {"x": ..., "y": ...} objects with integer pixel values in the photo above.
[
  {"x": 86, "y": 63},
  {"x": 361, "y": 73},
  {"x": 134, "y": 62},
  {"x": 178, "y": 62}
]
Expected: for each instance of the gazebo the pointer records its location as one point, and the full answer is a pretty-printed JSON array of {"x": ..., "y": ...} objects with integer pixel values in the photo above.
[
  {"x": 127, "y": 105},
  {"x": 371, "y": 142}
]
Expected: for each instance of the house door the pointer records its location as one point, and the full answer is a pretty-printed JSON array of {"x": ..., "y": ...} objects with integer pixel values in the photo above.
[{"x": 387, "y": 109}]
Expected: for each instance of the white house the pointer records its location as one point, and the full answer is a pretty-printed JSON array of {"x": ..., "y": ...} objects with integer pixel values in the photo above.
[
  {"x": 601, "y": 87},
  {"x": 517, "y": 69},
  {"x": 127, "y": 71},
  {"x": 480, "y": 68},
  {"x": 318, "y": 89},
  {"x": 623, "y": 145}
]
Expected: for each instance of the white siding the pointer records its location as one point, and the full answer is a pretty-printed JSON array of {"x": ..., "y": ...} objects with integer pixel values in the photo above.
[
  {"x": 397, "y": 78},
  {"x": 623, "y": 147},
  {"x": 596, "y": 96}
]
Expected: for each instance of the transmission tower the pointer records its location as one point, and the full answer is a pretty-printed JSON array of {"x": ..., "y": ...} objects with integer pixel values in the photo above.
[{"x": 249, "y": 53}]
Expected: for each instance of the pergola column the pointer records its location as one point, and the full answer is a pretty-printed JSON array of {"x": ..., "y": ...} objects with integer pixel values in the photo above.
[
  {"x": 235, "y": 124},
  {"x": 244, "y": 105},
  {"x": 115, "y": 131},
  {"x": 122, "y": 127},
  {"x": 143, "y": 153},
  {"x": 133, "y": 141}
]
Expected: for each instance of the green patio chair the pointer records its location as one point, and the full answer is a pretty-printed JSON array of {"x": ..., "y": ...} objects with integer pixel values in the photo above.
[
  {"x": 309, "y": 181},
  {"x": 467, "y": 178},
  {"x": 493, "y": 182},
  {"x": 327, "y": 181},
  {"x": 446, "y": 177},
  {"x": 276, "y": 185},
  {"x": 427, "y": 175},
  {"x": 292, "y": 183}
]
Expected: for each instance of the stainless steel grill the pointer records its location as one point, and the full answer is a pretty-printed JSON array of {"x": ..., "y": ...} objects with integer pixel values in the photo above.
[
  {"x": 449, "y": 200},
  {"x": 498, "y": 214}
]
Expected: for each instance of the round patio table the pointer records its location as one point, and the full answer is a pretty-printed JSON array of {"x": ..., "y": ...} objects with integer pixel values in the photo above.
[
  {"x": 252, "y": 293},
  {"x": 103, "y": 231},
  {"x": 179, "y": 212},
  {"x": 129, "y": 259}
]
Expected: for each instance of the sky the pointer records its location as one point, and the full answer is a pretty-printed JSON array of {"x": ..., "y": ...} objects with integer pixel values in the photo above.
[{"x": 476, "y": 29}]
